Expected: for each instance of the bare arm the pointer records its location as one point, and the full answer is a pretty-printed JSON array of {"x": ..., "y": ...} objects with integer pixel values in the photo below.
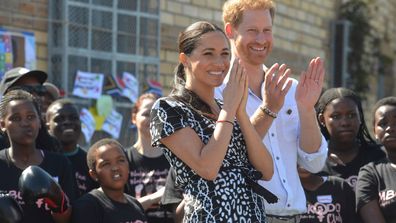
[
  {"x": 307, "y": 94},
  {"x": 154, "y": 198},
  {"x": 179, "y": 212},
  {"x": 257, "y": 152},
  {"x": 371, "y": 213},
  {"x": 206, "y": 160}
]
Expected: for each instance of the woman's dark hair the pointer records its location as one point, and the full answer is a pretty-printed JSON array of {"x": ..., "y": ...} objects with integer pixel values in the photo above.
[
  {"x": 188, "y": 41},
  {"x": 382, "y": 102},
  {"x": 331, "y": 94},
  {"x": 44, "y": 140}
]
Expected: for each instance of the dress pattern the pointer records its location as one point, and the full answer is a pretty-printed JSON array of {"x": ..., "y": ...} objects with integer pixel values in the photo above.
[{"x": 226, "y": 199}]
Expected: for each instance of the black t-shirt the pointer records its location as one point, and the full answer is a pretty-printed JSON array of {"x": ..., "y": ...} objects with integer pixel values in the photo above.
[
  {"x": 173, "y": 194},
  {"x": 96, "y": 207},
  {"x": 333, "y": 201},
  {"x": 350, "y": 171},
  {"x": 56, "y": 165},
  {"x": 146, "y": 176},
  {"x": 377, "y": 181},
  {"x": 84, "y": 182}
]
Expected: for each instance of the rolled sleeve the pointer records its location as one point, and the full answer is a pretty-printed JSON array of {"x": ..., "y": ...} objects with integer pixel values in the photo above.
[{"x": 313, "y": 162}]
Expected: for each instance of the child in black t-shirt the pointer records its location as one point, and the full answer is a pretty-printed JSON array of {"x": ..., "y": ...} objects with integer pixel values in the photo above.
[
  {"x": 63, "y": 122},
  {"x": 108, "y": 166},
  {"x": 329, "y": 199},
  {"x": 376, "y": 185},
  {"x": 341, "y": 118},
  {"x": 20, "y": 120}
]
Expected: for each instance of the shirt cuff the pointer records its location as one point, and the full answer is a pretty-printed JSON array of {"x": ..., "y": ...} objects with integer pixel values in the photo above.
[{"x": 314, "y": 161}]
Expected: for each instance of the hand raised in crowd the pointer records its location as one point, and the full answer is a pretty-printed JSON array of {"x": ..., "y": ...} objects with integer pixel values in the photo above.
[
  {"x": 241, "y": 112},
  {"x": 310, "y": 85},
  {"x": 275, "y": 90},
  {"x": 233, "y": 92}
]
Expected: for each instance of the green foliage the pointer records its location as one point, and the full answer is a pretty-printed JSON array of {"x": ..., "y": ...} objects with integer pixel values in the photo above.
[{"x": 362, "y": 57}]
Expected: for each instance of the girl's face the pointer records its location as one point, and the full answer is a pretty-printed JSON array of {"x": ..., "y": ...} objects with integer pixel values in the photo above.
[
  {"x": 385, "y": 126},
  {"x": 209, "y": 62},
  {"x": 21, "y": 122},
  {"x": 111, "y": 168},
  {"x": 142, "y": 118},
  {"x": 342, "y": 120}
]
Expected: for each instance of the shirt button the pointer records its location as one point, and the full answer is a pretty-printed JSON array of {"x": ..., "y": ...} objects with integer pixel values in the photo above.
[
  {"x": 277, "y": 158},
  {"x": 284, "y": 181},
  {"x": 288, "y": 205},
  {"x": 272, "y": 134}
]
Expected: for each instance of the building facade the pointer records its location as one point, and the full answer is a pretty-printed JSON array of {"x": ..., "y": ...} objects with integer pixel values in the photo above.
[{"x": 139, "y": 37}]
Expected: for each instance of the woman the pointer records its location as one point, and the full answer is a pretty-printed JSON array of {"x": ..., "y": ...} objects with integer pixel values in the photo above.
[
  {"x": 215, "y": 151},
  {"x": 20, "y": 119},
  {"x": 341, "y": 119},
  {"x": 376, "y": 185},
  {"x": 148, "y": 167}
]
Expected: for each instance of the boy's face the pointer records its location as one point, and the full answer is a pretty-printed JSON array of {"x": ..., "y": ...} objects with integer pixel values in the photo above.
[
  {"x": 111, "y": 168},
  {"x": 64, "y": 123},
  {"x": 385, "y": 126}
]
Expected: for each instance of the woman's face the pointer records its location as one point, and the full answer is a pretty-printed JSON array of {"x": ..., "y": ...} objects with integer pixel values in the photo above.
[
  {"x": 209, "y": 62},
  {"x": 142, "y": 117},
  {"x": 21, "y": 122},
  {"x": 385, "y": 126},
  {"x": 342, "y": 120}
]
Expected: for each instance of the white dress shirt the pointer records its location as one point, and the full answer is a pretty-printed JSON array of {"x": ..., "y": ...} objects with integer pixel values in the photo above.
[{"x": 282, "y": 141}]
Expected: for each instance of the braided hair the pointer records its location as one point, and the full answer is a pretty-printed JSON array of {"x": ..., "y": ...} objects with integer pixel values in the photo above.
[
  {"x": 331, "y": 94},
  {"x": 43, "y": 140},
  {"x": 187, "y": 42},
  {"x": 14, "y": 95}
]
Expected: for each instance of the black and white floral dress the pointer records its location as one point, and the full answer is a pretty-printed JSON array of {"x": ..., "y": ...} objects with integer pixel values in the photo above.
[{"x": 226, "y": 199}]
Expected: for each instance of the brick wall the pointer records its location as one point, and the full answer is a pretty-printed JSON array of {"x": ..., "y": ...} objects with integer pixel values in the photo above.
[
  {"x": 302, "y": 30},
  {"x": 31, "y": 16}
]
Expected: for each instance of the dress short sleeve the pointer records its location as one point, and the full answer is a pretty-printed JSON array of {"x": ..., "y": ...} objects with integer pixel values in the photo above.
[{"x": 167, "y": 116}]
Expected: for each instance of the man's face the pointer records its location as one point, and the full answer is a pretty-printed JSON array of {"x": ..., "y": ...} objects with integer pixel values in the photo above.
[{"x": 253, "y": 38}]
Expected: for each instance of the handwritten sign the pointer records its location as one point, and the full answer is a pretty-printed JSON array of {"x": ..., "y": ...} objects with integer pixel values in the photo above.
[
  {"x": 112, "y": 124},
  {"x": 88, "y": 85}
]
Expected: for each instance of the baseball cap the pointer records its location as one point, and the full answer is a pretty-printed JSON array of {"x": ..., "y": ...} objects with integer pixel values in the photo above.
[{"x": 15, "y": 74}]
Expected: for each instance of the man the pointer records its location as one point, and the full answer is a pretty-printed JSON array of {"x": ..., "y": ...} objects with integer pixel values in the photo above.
[
  {"x": 32, "y": 82},
  {"x": 281, "y": 109}
]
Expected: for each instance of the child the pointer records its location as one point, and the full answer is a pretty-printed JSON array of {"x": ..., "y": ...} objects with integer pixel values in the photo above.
[
  {"x": 20, "y": 120},
  {"x": 341, "y": 118},
  {"x": 108, "y": 166},
  {"x": 376, "y": 185},
  {"x": 63, "y": 122},
  {"x": 329, "y": 199}
]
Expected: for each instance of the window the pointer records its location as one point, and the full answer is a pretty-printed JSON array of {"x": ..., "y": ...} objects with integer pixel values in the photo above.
[{"x": 103, "y": 36}]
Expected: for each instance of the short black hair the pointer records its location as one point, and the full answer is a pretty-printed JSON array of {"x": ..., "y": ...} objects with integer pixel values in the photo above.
[
  {"x": 61, "y": 102},
  {"x": 382, "y": 102},
  {"x": 91, "y": 161}
]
